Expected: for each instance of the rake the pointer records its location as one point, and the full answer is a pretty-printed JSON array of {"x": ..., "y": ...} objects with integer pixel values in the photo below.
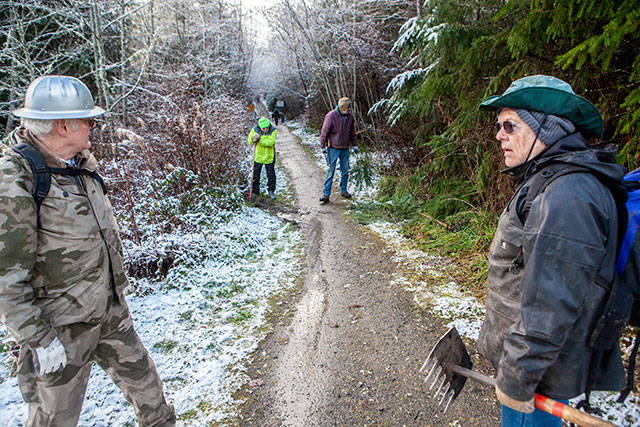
[{"x": 449, "y": 365}]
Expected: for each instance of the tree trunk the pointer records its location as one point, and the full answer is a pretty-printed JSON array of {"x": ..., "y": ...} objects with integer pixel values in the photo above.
[
  {"x": 13, "y": 83},
  {"x": 123, "y": 68},
  {"x": 98, "y": 55}
]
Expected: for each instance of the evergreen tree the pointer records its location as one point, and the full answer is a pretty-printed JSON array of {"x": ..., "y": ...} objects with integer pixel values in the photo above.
[{"x": 462, "y": 52}]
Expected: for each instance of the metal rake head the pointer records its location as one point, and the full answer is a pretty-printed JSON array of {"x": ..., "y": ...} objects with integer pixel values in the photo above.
[{"x": 449, "y": 351}]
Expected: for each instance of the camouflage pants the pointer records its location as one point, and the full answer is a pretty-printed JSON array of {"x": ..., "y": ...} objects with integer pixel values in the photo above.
[{"x": 56, "y": 399}]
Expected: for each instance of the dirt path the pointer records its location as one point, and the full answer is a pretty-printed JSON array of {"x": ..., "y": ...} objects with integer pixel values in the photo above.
[{"x": 350, "y": 350}]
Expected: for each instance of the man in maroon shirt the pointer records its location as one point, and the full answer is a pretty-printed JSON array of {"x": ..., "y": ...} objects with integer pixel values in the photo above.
[{"x": 337, "y": 136}]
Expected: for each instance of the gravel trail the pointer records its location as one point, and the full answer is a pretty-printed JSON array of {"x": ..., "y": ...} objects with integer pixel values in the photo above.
[{"x": 347, "y": 349}]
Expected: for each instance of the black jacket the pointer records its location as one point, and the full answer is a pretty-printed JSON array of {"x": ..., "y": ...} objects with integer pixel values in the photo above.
[{"x": 542, "y": 299}]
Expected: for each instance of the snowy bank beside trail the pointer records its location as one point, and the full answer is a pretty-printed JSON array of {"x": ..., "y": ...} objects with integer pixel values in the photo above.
[
  {"x": 199, "y": 323},
  {"x": 449, "y": 301},
  {"x": 446, "y": 299}
]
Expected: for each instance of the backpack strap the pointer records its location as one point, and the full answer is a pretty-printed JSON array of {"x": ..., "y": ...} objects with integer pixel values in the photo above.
[
  {"x": 41, "y": 174},
  {"x": 541, "y": 180},
  {"x": 70, "y": 171}
]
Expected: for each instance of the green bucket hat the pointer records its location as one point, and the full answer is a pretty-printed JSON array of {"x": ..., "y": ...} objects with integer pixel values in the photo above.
[
  {"x": 549, "y": 95},
  {"x": 264, "y": 122}
]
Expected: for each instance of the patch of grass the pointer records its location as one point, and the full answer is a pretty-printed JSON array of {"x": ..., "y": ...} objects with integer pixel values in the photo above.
[
  {"x": 307, "y": 148},
  {"x": 464, "y": 237},
  {"x": 241, "y": 317},
  {"x": 369, "y": 211},
  {"x": 13, "y": 372},
  {"x": 187, "y": 415},
  {"x": 244, "y": 303},
  {"x": 205, "y": 406},
  {"x": 176, "y": 380},
  {"x": 165, "y": 346},
  {"x": 186, "y": 315},
  {"x": 228, "y": 292}
]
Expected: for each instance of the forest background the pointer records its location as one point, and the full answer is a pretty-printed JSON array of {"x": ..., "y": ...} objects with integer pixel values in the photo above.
[{"x": 177, "y": 77}]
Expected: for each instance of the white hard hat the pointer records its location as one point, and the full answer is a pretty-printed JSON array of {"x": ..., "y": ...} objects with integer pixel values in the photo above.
[{"x": 58, "y": 97}]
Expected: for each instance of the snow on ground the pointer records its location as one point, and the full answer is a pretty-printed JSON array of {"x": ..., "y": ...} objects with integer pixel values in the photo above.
[
  {"x": 622, "y": 414},
  {"x": 200, "y": 323},
  {"x": 449, "y": 301}
]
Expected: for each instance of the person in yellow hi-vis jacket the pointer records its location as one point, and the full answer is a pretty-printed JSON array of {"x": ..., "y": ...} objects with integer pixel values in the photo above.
[{"x": 263, "y": 138}]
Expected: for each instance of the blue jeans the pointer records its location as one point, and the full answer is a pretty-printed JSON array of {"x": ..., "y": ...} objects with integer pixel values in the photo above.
[
  {"x": 538, "y": 418},
  {"x": 333, "y": 154}
]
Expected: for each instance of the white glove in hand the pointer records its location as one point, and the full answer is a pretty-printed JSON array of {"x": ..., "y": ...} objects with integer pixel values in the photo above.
[
  {"x": 49, "y": 359},
  {"x": 355, "y": 149},
  {"x": 517, "y": 405}
]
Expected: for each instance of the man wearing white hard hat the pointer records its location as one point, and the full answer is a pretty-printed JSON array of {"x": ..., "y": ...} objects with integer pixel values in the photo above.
[{"x": 61, "y": 276}]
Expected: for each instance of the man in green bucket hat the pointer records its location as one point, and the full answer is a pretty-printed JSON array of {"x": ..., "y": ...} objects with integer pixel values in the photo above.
[{"x": 553, "y": 253}]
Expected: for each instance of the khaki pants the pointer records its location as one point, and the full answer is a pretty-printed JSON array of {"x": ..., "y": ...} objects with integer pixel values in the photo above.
[{"x": 56, "y": 399}]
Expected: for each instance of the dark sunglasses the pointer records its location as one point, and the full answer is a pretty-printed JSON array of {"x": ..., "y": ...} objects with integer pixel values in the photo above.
[{"x": 507, "y": 125}]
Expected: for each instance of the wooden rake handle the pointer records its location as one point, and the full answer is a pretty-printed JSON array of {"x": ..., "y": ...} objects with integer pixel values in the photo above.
[
  {"x": 569, "y": 413},
  {"x": 543, "y": 403}
]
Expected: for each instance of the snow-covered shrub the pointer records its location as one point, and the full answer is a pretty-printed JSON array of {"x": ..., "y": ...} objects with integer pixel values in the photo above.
[{"x": 176, "y": 168}]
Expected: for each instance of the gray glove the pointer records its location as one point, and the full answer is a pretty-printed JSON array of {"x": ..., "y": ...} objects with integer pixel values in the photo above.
[{"x": 49, "y": 359}]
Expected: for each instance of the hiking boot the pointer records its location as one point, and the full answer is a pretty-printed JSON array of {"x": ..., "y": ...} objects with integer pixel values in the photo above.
[
  {"x": 345, "y": 195},
  {"x": 324, "y": 199},
  {"x": 272, "y": 195}
]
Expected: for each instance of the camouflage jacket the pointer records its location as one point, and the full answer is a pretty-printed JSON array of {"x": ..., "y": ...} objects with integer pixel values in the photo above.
[{"x": 64, "y": 272}]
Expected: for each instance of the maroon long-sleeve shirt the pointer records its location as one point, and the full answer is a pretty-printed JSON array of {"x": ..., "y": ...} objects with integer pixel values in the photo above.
[{"x": 338, "y": 130}]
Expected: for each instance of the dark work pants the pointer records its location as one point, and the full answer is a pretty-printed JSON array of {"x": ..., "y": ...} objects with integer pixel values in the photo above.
[{"x": 271, "y": 176}]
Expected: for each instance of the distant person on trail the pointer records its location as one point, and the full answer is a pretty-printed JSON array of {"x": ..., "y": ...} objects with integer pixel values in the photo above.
[
  {"x": 62, "y": 281},
  {"x": 553, "y": 254},
  {"x": 337, "y": 136},
  {"x": 263, "y": 139},
  {"x": 276, "y": 115}
]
